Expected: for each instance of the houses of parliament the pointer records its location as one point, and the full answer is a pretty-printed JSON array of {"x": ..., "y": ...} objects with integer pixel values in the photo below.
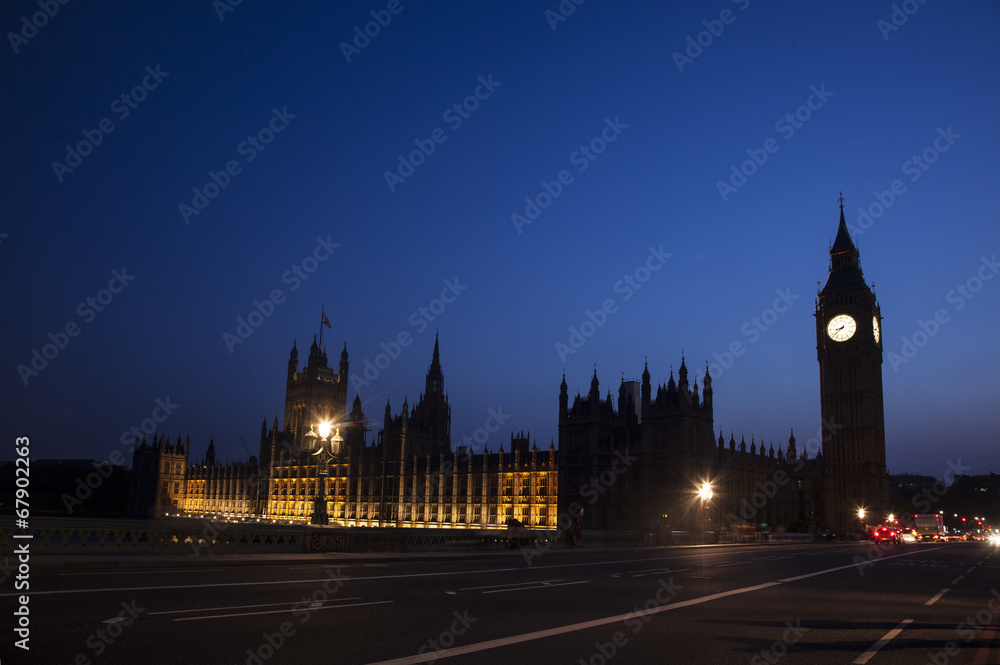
[{"x": 623, "y": 462}]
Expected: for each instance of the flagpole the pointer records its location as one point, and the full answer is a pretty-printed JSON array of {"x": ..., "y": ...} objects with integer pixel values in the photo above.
[{"x": 322, "y": 313}]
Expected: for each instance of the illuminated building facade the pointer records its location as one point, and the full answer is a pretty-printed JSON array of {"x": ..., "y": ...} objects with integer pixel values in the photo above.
[
  {"x": 409, "y": 476},
  {"x": 650, "y": 459}
]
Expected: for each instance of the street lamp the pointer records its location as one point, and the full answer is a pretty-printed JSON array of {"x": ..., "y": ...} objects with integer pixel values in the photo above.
[
  {"x": 323, "y": 454},
  {"x": 705, "y": 494}
]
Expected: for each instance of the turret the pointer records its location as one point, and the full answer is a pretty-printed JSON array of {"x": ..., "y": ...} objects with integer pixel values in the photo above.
[
  {"x": 293, "y": 361},
  {"x": 646, "y": 391},
  {"x": 707, "y": 390},
  {"x": 563, "y": 400},
  {"x": 343, "y": 363},
  {"x": 434, "y": 383}
]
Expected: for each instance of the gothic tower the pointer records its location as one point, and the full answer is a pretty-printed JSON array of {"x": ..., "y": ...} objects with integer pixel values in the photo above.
[
  {"x": 849, "y": 350},
  {"x": 429, "y": 426},
  {"x": 316, "y": 393}
]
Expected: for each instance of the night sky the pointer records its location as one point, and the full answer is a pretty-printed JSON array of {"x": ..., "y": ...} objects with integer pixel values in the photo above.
[{"x": 658, "y": 176}]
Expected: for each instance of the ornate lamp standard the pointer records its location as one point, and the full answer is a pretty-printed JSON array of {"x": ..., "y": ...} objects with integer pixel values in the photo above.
[
  {"x": 326, "y": 449},
  {"x": 705, "y": 494}
]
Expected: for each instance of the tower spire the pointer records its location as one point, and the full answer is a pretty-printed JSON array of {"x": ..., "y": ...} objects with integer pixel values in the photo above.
[{"x": 434, "y": 383}]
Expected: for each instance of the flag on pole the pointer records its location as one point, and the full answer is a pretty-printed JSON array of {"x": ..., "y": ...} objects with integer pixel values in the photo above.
[{"x": 326, "y": 321}]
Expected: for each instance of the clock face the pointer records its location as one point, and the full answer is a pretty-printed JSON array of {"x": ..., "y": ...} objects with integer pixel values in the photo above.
[
  {"x": 875, "y": 328},
  {"x": 841, "y": 328}
]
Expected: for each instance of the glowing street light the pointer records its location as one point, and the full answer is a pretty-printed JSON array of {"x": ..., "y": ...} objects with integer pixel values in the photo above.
[
  {"x": 324, "y": 455},
  {"x": 705, "y": 492}
]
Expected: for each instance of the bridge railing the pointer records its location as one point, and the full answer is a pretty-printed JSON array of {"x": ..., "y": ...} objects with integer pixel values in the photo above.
[
  {"x": 178, "y": 536},
  {"x": 111, "y": 536}
]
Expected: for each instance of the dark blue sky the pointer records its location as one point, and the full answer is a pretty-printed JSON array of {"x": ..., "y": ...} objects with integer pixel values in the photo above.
[{"x": 825, "y": 97}]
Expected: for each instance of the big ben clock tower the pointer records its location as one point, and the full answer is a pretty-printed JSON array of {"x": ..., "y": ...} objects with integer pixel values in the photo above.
[{"x": 849, "y": 350}]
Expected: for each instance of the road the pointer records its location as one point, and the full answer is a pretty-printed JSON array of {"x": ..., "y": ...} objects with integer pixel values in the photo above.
[{"x": 803, "y": 603}]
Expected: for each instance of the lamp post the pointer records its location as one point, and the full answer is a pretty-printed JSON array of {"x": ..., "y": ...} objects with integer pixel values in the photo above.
[
  {"x": 705, "y": 494},
  {"x": 323, "y": 454}
]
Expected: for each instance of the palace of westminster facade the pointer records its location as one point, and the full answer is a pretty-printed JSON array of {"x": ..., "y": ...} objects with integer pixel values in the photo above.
[{"x": 621, "y": 466}]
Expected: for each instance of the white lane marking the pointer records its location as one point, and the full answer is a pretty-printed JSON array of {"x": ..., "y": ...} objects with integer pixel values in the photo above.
[
  {"x": 853, "y": 565},
  {"x": 866, "y": 656},
  {"x": 497, "y": 586},
  {"x": 543, "y": 586},
  {"x": 970, "y": 570},
  {"x": 269, "y": 583},
  {"x": 958, "y": 579},
  {"x": 733, "y": 563},
  {"x": 244, "y": 607},
  {"x": 372, "y": 577},
  {"x": 560, "y": 630},
  {"x": 938, "y": 596},
  {"x": 247, "y": 614},
  {"x": 113, "y": 620},
  {"x": 140, "y": 570},
  {"x": 651, "y": 571}
]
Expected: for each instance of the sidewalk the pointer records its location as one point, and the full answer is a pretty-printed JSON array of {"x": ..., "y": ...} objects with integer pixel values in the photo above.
[{"x": 135, "y": 561}]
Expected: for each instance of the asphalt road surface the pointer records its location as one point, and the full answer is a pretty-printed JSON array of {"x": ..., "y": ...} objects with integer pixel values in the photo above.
[{"x": 812, "y": 603}]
